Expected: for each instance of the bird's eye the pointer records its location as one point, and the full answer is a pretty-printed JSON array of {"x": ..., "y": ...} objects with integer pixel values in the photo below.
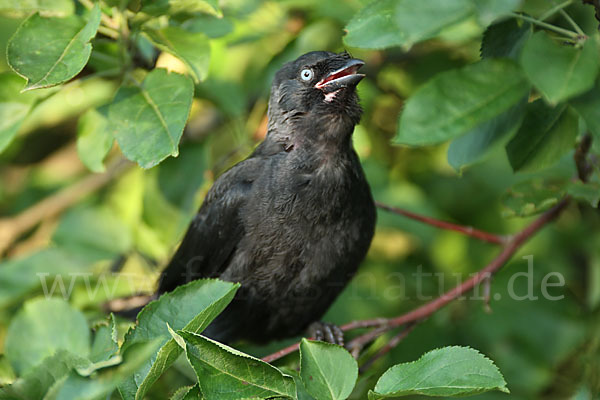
[{"x": 306, "y": 74}]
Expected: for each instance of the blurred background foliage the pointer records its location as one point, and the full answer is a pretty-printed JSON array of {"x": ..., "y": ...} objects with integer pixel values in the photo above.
[{"x": 132, "y": 224}]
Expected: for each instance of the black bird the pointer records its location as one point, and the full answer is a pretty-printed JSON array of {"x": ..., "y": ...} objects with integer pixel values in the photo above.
[{"x": 293, "y": 221}]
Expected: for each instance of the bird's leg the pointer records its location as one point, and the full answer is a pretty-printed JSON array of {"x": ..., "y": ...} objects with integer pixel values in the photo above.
[{"x": 326, "y": 332}]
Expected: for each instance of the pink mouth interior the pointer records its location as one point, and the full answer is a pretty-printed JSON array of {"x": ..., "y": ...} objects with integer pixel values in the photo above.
[{"x": 338, "y": 74}]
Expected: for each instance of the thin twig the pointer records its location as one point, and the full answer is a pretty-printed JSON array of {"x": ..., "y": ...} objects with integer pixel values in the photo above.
[
  {"x": 106, "y": 31},
  {"x": 550, "y": 27},
  {"x": 554, "y": 9},
  {"x": 11, "y": 228},
  {"x": 466, "y": 230},
  {"x": 572, "y": 22}
]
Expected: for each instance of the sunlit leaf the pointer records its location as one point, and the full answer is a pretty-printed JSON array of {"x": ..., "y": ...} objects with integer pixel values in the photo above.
[
  {"x": 449, "y": 371},
  {"x": 192, "y": 307},
  {"x": 560, "y": 71},
  {"x": 106, "y": 380},
  {"x": 148, "y": 119},
  {"x": 7, "y": 374},
  {"x": 50, "y": 51},
  {"x": 63, "y": 328},
  {"x": 36, "y": 382},
  {"x": 225, "y": 373},
  {"x": 21, "y": 8},
  {"x": 388, "y": 23},
  {"x": 94, "y": 140},
  {"x": 14, "y": 107},
  {"x": 328, "y": 371},
  {"x": 455, "y": 102},
  {"x": 191, "y": 48},
  {"x": 161, "y": 7}
]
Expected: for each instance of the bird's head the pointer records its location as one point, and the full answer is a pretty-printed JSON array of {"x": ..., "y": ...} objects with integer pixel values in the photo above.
[{"x": 318, "y": 86}]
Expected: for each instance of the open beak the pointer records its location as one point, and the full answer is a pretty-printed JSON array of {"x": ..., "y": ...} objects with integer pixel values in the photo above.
[{"x": 346, "y": 76}]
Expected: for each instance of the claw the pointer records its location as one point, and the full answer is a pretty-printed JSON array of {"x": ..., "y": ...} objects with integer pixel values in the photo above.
[{"x": 326, "y": 332}]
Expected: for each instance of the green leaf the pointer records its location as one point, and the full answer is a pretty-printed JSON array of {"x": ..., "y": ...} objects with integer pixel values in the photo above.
[
  {"x": 588, "y": 191},
  {"x": 23, "y": 8},
  {"x": 187, "y": 393},
  {"x": 148, "y": 119},
  {"x": 191, "y": 307},
  {"x": 50, "y": 268},
  {"x": 545, "y": 135},
  {"x": 449, "y": 371},
  {"x": 225, "y": 373},
  {"x": 505, "y": 39},
  {"x": 532, "y": 197},
  {"x": 387, "y": 23},
  {"x": 455, "y": 102},
  {"x": 105, "y": 345},
  {"x": 7, "y": 374},
  {"x": 479, "y": 143},
  {"x": 93, "y": 233},
  {"x": 94, "y": 140},
  {"x": 328, "y": 371},
  {"x": 36, "y": 382},
  {"x": 489, "y": 10},
  {"x": 45, "y": 63},
  {"x": 588, "y": 107},
  {"x": 560, "y": 71},
  {"x": 301, "y": 393},
  {"x": 211, "y": 26},
  {"x": 14, "y": 107},
  {"x": 191, "y": 48},
  {"x": 106, "y": 380},
  {"x": 171, "y": 7},
  {"x": 63, "y": 328}
]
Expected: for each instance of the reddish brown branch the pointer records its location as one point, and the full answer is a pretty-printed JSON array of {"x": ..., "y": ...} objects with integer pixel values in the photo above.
[
  {"x": 511, "y": 247},
  {"x": 465, "y": 230},
  {"x": 383, "y": 325}
]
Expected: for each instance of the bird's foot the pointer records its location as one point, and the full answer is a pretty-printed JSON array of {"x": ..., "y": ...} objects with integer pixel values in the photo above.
[{"x": 326, "y": 332}]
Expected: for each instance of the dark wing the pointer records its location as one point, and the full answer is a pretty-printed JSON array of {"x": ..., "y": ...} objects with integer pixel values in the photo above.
[{"x": 213, "y": 235}]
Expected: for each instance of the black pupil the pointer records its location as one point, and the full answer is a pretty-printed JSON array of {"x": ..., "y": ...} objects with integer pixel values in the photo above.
[{"x": 306, "y": 74}]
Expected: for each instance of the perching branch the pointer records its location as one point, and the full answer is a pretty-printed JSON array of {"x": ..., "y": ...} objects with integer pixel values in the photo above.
[{"x": 383, "y": 325}]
